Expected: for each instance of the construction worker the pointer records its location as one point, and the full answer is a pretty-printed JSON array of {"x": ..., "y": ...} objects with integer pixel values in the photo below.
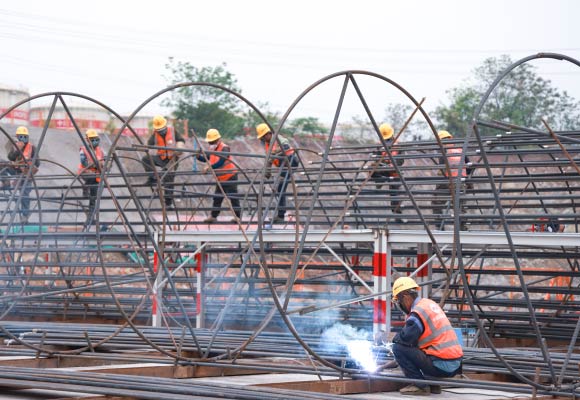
[
  {"x": 551, "y": 225},
  {"x": 163, "y": 136},
  {"x": 283, "y": 156},
  {"x": 454, "y": 154},
  {"x": 92, "y": 158},
  {"x": 226, "y": 172},
  {"x": 427, "y": 346},
  {"x": 382, "y": 170},
  {"x": 21, "y": 157}
]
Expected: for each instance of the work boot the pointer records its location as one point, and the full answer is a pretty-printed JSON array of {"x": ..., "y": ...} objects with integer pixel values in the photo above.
[
  {"x": 414, "y": 390},
  {"x": 435, "y": 389},
  {"x": 278, "y": 220},
  {"x": 210, "y": 220},
  {"x": 24, "y": 219},
  {"x": 235, "y": 220}
]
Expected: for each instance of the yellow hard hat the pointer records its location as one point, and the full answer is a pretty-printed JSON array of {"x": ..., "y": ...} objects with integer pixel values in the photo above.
[
  {"x": 22, "y": 130},
  {"x": 159, "y": 122},
  {"x": 444, "y": 135},
  {"x": 262, "y": 130},
  {"x": 212, "y": 134},
  {"x": 91, "y": 133},
  {"x": 387, "y": 131},
  {"x": 402, "y": 284}
]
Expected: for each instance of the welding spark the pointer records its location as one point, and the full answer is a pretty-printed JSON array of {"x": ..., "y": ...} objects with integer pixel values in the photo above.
[{"x": 361, "y": 351}]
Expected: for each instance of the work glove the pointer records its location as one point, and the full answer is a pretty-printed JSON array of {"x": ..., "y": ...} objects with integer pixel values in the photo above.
[{"x": 206, "y": 170}]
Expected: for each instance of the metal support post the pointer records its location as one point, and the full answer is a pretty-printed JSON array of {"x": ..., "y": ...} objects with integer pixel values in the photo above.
[
  {"x": 425, "y": 274},
  {"x": 157, "y": 300},
  {"x": 199, "y": 273}
]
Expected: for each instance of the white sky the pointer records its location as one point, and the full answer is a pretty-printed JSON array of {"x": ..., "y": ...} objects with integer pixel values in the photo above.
[{"x": 115, "y": 51}]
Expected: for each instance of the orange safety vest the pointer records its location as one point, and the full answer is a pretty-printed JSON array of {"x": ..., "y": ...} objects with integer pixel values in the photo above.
[
  {"x": 275, "y": 150},
  {"x": 454, "y": 155},
  {"x": 387, "y": 160},
  {"x": 438, "y": 338},
  {"x": 165, "y": 141},
  {"x": 25, "y": 156},
  {"x": 92, "y": 168},
  {"x": 226, "y": 171}
]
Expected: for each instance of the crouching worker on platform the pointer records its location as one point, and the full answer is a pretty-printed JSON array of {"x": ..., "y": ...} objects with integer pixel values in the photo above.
[{"x": 427, "y": 346}]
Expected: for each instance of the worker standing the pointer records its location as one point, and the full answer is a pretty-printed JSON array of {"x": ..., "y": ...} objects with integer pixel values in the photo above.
[
  {"x": 454, "y": 154},
  {"x": 22, "y": 156},
  {"x": 92, "y": 158},
  {"x": 226, "y": 172},
  {"x": 427, "y": 346},
  {"x": 283, "y": 156},
  {"x": 382, "y": 169},
  {"x": 163, "y": 136}
]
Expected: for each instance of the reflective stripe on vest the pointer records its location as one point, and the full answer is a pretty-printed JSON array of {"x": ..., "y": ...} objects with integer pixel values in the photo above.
[
  {"x": 165, "y": 141},
  {"x": 275, "y": 149},
  {"x": 438, "y": 338},
  {"x": 226, "y": 171},
  {"x": 99, "y": 155},
  {"x": 454, "y": 155}
]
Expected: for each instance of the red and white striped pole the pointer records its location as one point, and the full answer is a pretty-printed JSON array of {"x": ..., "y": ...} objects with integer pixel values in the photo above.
[
  {"x": 381, "y": 283},
  {"x": 423, "y": 254},
  {"x": 157, "y": 293},
  {"x": 200, "y": 260}
]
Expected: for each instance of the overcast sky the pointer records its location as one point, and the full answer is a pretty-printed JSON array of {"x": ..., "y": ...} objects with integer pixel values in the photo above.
[{"x": 115, "y": 51}]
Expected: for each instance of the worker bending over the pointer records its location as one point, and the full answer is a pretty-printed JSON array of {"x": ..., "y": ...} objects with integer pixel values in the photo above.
[
  {"x": 226, "y": 172},
  {"x": 163, "y": 136}
]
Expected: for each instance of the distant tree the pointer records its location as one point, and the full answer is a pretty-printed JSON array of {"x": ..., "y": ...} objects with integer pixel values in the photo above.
[
  {"x": 205, "y": 107},
  {"x": 252, "y": 119},
  {"x": 306, "y": 125},
  {"x": 522, "y": 98}
]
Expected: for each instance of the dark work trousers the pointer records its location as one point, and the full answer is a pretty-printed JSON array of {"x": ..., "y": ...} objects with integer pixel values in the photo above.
[
  {"x": 440, "y": 205},
  {"x": 25, "y": 187},
  {"x": 168, "y": 177},
  {"x": 383, "y": 178},
  {"x": 285, "y": 177},
  {"x": 90, "y": 190},
  {"x": 230, "y": 188},
  {"x": 415, "y": 364}
]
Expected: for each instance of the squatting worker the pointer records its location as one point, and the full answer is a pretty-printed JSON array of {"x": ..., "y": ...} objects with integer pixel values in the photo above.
[
  {"x": 283, "y": 156},
  {"x": 163, "y": 136},
  {"x": 227, "y": 175},
  {"x": 427, "y": 346}
]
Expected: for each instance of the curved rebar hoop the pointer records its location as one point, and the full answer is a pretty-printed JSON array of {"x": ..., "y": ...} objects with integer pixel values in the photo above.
[
  {"x": 58, "y": 98},
  {"x": 349, "y": 77},
  {"x": 498, "y": 206}
]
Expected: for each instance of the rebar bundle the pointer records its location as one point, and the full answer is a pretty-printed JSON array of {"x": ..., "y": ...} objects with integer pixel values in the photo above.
[{"x": 499, "y": 234}]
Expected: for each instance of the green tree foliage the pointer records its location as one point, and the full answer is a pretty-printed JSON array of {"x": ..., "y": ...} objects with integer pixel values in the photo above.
[
  {"x": 306, "y": 125},
  {"x": 205, "y": 107},
  {"x": 522, "y": 98}
]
